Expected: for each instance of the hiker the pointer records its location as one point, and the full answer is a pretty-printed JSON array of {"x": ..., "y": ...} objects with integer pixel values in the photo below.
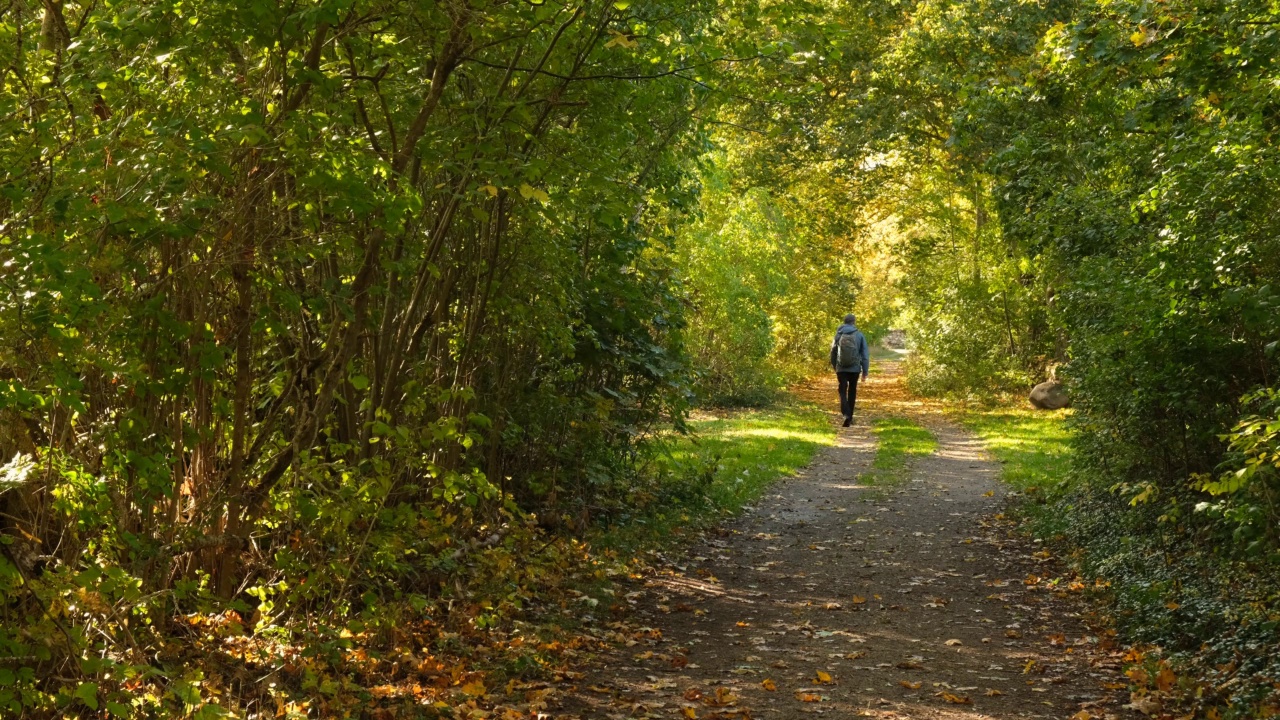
[{"x": 849, "y": 356}]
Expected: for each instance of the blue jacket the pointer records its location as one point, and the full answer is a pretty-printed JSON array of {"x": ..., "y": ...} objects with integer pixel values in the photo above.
[{"x": 862, "y": 349}]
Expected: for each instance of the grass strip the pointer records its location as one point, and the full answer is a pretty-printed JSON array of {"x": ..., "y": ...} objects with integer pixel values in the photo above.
[
  {"x": 724, "y": 464},
  {"x": 1033, "y": 448},
  {"x": 900, "y": 441}
]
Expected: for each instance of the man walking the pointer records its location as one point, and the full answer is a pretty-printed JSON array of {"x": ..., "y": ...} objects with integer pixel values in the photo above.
[{"x": 849, "y": 357}]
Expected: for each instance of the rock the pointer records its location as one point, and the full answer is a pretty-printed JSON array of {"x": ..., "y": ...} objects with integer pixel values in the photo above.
[{"x": 1050, "y": 395}]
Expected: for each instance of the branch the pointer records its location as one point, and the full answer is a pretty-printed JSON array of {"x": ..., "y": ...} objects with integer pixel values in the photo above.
[
  {"x": 612, "y": 76},
  {"x": 312, "y": 62}
]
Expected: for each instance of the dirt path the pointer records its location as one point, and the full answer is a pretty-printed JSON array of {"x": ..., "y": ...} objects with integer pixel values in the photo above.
[{"x": 833, "y": 598}]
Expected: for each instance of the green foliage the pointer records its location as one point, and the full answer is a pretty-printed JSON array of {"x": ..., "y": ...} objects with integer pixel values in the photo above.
[
  {"x": 304, "y": 304},
  {"x": 766, "y": 288},
  {"x": 1247, "y": 492}
]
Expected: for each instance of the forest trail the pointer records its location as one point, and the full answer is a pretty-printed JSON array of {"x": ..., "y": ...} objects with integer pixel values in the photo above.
[{"x": 831, "y": 597}]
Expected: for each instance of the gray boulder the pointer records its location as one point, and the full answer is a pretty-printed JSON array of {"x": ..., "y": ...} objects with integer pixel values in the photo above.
[{"x": 1050, "y": 395}]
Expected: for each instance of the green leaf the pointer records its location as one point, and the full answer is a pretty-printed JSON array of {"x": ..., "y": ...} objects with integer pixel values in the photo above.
[{"x": 88, "y": 694}]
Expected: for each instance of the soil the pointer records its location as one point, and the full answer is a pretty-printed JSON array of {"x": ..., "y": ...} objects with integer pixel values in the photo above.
[{"x": 832, "y": 597}]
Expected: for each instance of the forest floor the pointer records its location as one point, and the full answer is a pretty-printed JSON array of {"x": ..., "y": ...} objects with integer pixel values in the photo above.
[{"x": 842, "y": 594}]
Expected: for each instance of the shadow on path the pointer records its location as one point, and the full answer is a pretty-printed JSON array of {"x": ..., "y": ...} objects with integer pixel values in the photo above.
[{"x": 833, "y": 598}]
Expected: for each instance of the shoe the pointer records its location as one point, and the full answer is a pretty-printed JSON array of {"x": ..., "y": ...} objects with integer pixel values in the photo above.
[{"x": 848, "y": 421}]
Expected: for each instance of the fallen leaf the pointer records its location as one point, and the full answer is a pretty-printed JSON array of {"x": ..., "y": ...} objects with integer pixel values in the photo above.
[
  {"x": 769, "y": 685},
  {"x": 474, "y": 688},
  {"x": 953, "y": 642},
  {"x": 910, "y": 685},
  {"x": 808, "y": 697},
  {"x": 690, "y": 713},
  {"x": 723, "y": 698},
  {"x": 956, "y": 699},
  {"x": 1165, "y": 680},
  {"x": 992, "y": 692},
  {"x": 692, "y": 693},
  {"x": 1082, "y": 715},
  {"x": 1012, "y": 634},
  {"x": 679, "y": 661},
  {"x": 1144, "y": 704},
  {"x": 858, "y": 600},
  {"x": 824, "y": 677}
]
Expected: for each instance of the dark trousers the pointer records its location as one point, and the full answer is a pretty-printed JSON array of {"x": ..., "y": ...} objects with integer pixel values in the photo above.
[{"x": 848, "y": 391}]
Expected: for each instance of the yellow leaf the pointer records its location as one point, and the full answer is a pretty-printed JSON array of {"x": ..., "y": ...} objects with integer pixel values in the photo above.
[
  {"x": 621, "y": 39},
  {"x": 691, "y": 713},
  {"x": 910, "y": 685},
  {"x": 491, "y": 189},
  {"x": 1165, "y": 680},
  {"x": 992, "y": 692},
  {"x": 824, "y": 677},
  {"x": 723, "y": 697},
  {"x": 474, "y": 688},
  {"x": 953, "y": 642},
  {"x": 769, "y": 685},
  {"x": 1082, "y": 715},
  {"x": 956, "y": 699},
  {"x": 989, "y": 493},
  {"x": 858, "y": 600},
  {"x": 808, "y": 697},
  {"x": 529, "y": 192}
]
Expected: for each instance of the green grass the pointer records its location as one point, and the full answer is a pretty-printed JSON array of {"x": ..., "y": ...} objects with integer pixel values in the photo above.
[
  {"x": 900, "y": 440},
  {"x": 724, "y": 464},
  {"x": 757, "y": 447},
  {"x": 1034, "y": 451}
]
